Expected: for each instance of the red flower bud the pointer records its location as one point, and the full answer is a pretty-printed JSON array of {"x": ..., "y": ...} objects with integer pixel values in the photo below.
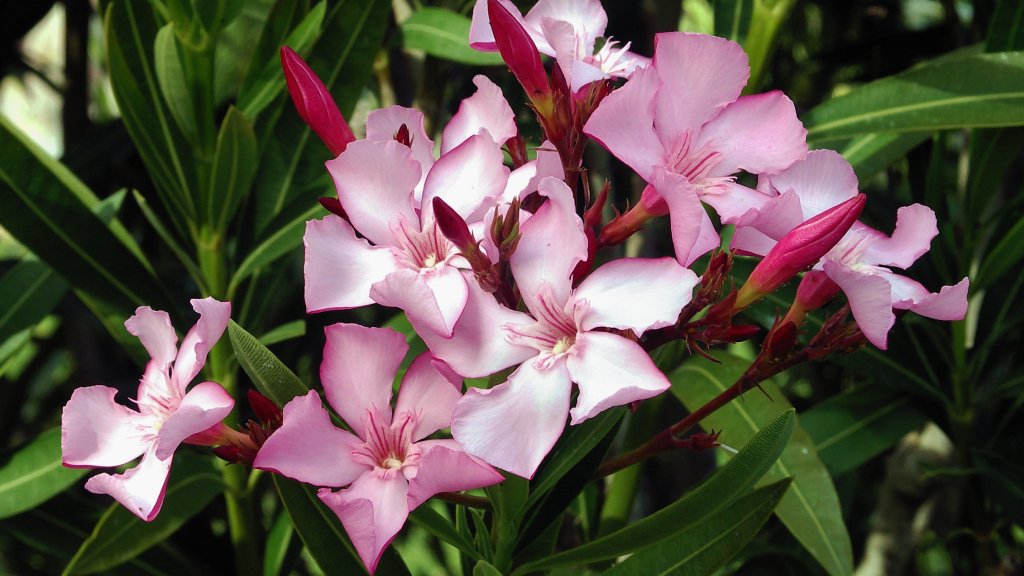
[
  {"x": 651, "y": 205},
  {"x": 452, "y": 225},
  {"x": 800, "y": 249},
  {"x": 521, "y": 55},
  {"x": 314, "y": 103},
  {"x": 815, "y": 290}
]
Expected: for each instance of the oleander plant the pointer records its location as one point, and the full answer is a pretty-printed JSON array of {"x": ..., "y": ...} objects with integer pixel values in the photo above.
[{"x": 538, "y": 287}]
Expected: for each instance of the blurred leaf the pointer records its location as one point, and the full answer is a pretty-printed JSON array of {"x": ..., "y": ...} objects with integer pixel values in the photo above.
[
  {"x": 810, "y": 510},
  {"x": 278, "y": 22},
  {"x": 173, "y": 85},
  {"x": 854, "y": 427},
  {"x": 724, "y": 486},
  {"x": 272, "y": 378},
  {"x": 707, "y": 545},
  {"x": 732, "y": 19},
  {"x": 444, "y": 34},
  {"x": 34, "y": 474},
  {"x": 1006, "y": 256},
  {"x": 482, "y": 568},
  {"x": 871, "y": 153},
  {"x": 129, "y": 32},
  {"x": 977, "y": 90},
  {"x": 282, "y": 548},
  {"x": 120, "y": 535},
  {"x": 234, "y": 165},
  {"x": 52, "y": 213},
  {"x": 170, "y": 241},
  {"x": 29, "y": 291},
  {"x": 283, "y": 240},
  {"x": 1007, "y": 478},
  {"x": 270, "y": 82},
  {"x": 427, "y": 518},
  {"x": 1006, "y": 29},
  {"x": 286, "y": 331},
  {"x": 291, "y": 164}
]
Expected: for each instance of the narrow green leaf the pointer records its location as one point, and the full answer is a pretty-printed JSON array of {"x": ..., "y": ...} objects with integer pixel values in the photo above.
[
  {"x": 158, "y": 226},
  {"x": 282, "y": 547},
  {"x": 270, "y": 82},
  {"x": 282, "y": 241},
  {"x": 852, "y": 428},
  {"x": 49, "y": 211},
  {"x": 482, "y": 568},
  {"x": 279, "y": 20},
  {"x": 1004, "y": 257},
  {"x": 427, "y": 518},
  {"x": 810, "y": 510},
  {"x": 728, "y": 483},
  {"x": 706, "y": 546},
  {"x": 272, "y": 378},
  {"x": 871, "y": 153},
  {"x": 1006, "y": 29},
  {"x": 285, "y": 331},
  {"x": 120, "y": 535},
  {"x": 977, "y": 90},
  {"x": 732, "y": 19},
  {"x": 171, "y": 76},
  {"x": 29, "y": 291},
  {"x": 444, "y": 34},
  {"x": 34, "y": 474},
  {"x": 234, "y": 166}
]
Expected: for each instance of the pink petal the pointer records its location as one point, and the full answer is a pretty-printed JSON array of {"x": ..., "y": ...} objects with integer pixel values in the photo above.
[
  {"x": 309, "y": 448},
  {"x": 748, "y": 241},
  {"x": 624, "y": 124},
  {"x": 822, "y": 180},
  {"x": 776, "y": 217},
  {"x": 736, "y": 203},
  {"x": 610, "y": 370},
  {"x": 213, "y": 319},
  {"x": 686, "y": 214},
  {"x": 140, "y": 489},
  {"x": 582, "y": 73},
  {"x": 481, "y": 37},
  {"x": 468, "y": 178},
  {"x": 372, "y": 510},
  {"x": 552, "y": 243},
  {"x": 339, "y": 267},
  {"x": 358, "y": 367},
  {"x": 514, "y": 425},
  {"x": 477, "y": 347},
  {"x": 206, "y": 404},
  {"x": 870, "y": 300},
  {"x": 915, "y": 229},
  {"x": 96, "y": 431},
  {"x": 950, "y": 303},
  {"x": 759, "y": 133},
  {"x": 433, "y": 299},
  {"x": 154, "y": 330},
  {"x": 635, "y": 294},
  {"x": 375, "y": 182},
  {"x": 487, "y": 110},
  {"x": 430, "y": 393},
  {"x": 444, "y": 467},
  {"x": 700, "y": 74},
  {"x": 382, "y": 125},
  {"x": 586, "y": 19}
]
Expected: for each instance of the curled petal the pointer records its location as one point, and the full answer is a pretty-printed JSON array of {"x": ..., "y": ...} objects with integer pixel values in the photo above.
[
  {"x": 822, "y": 180},
  {"x": 206, "y": 404},
  {"x": 339, "y": 267},
  {"x": 487, "y": 110},
  {"x": 154, "y": 330},
  {"x": 915, "y": 229},
  {"x": 96, "y": 431},
  {"x": 430, "y": 393},
  {"x": 870, "y": 298},
  {"x": 384, "y": 123},
  {"x": 586, "y": 20},
  {"x": 213, "y": 319},
  {"x": 949, "y": 303},
  {"x": 444, "y": 467},
  {"x": 514, "y": 425},
  {"x": 433, "y": 299},
  {"x": 372, "y": 510},
  {"x": 140, "y": 489},
  {"x": 611, "y": 371},
  {"x": 624, "y": 124},
  {"x": 468, "y": 178},
  {"x": 358, "y": 367},
  {"x": 686, "y": 214}
]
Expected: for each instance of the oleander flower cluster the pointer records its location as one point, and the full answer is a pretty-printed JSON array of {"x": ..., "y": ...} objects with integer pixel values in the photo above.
[{"x": 507, "y": 271}]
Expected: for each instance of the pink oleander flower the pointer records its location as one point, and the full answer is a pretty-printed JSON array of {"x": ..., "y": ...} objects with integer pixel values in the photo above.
[
  {"x": 388, "y": 466},
  {"x": 682, "y": 125},
  {"x": 314, "y": 102},
  {"x": 571, "y": 335},
  {"x": 859, "y": 261},
  {"x": 386, "y": 189},
  {"x": 566, "y": 30},
  {"x": 96, "y": 431}
]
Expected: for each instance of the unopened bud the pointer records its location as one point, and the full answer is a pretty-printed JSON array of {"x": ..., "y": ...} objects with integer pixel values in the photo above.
[
  {"x": 815, "y": 290},
  {"x": 402, "y": 136},
  {"x": 505, "y": 231},
  {"x": 593, "y": 216},
  {"x": 333, "y": 205},
  {"x": 521, "y": 56},
  {"x": 780, "y": 341},
  {"x": 314, "y": 102},
  {"x": 453, "y": 226},
  {"x": 800, "y": 249},
  {"x": 621, "y": 227}
]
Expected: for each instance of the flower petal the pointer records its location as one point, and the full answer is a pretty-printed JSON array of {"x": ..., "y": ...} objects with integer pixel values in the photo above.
[
  {"x": 96, "y": 431},
  {"x": 686, "y": 215},
  {"x": 481, "y": 37},
  {"x": 700, "y": 74},
  {"x": 358, "y": 367},
  {"x": 445, "y": 467},
  {"x": 758, "y": 133},
  {"x": 206, "y": 404},
  {"x": 430, "y": 393},
  {"x": 514, "y": 425},
  {"x": 912, "y": 238},
  {"x": 372, "y": 510},
  {"x": 468, "y": 178},
  {"x": 340, "y": 268},
  {"x": 140, "y": 489},
  {"x": 870, "y": 298},
  {"x": 477, "y": 347},
  {"x": 635, "y": 294},
  {"x": 213, "y": 319},
  {"x": 552, "y": 243},
  {"x": 624, "y": 123},
  {"x": 949, "y": 303},
  {"x": 487, "y": 110},
  {"x": 610, "y": 370},
  {"x": 433, "y": 299},
  {"x": 309, "y": 448},
  {"x": 375, "y": 182},
  {"x": 586, "y": 19},
  {"x": 822, "y": 181},
  {"x": 382, "y": 125},
  {"x": 154, "y": 330}
]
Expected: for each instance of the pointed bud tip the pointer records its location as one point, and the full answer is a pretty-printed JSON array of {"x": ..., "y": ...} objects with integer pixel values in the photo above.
[{"x": 314, "y": 102}]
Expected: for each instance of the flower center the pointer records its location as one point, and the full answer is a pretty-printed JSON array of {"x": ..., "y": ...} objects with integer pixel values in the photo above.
[
  {"x": 563, "y": 344},
  {"x": 388, "y": 446},
  {"x": 695, "y": 164},
  {"x": 420, "y": 250},
  {"x": 554, "y": 332}
]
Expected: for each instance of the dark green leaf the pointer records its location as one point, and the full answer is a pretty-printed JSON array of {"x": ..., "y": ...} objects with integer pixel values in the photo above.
[
  {"x": 444, "y": 34},
  {"x": 283, "y": 240},
  {"x": 1004, "y": 257},
  {"x": 120, "y": 535},
  {"x": 732, "y": 19},
  {"x": 282, "y": 547},
  {"x": 234, "y": 165},
  {"x": 279, "y": 20},
  {"x": 272, "y": 378},
  {"x": 732, "y": 480},
  {"x": 427, "y": 518},
  {"x": 286, "y": 331},
  {"x": 810, "y": 510},
  {"x": 706, "y": 546},
  {"x": 871, "y": 153},
  {"x": 978, "y": 90},
  {"x": 1006, "y": 29},
  {"x": 34, "y": 474},
  {"x": 29, "y": 291},
  {"x": 171, "y": 76},
  {"x": 484, "y": 569}
]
